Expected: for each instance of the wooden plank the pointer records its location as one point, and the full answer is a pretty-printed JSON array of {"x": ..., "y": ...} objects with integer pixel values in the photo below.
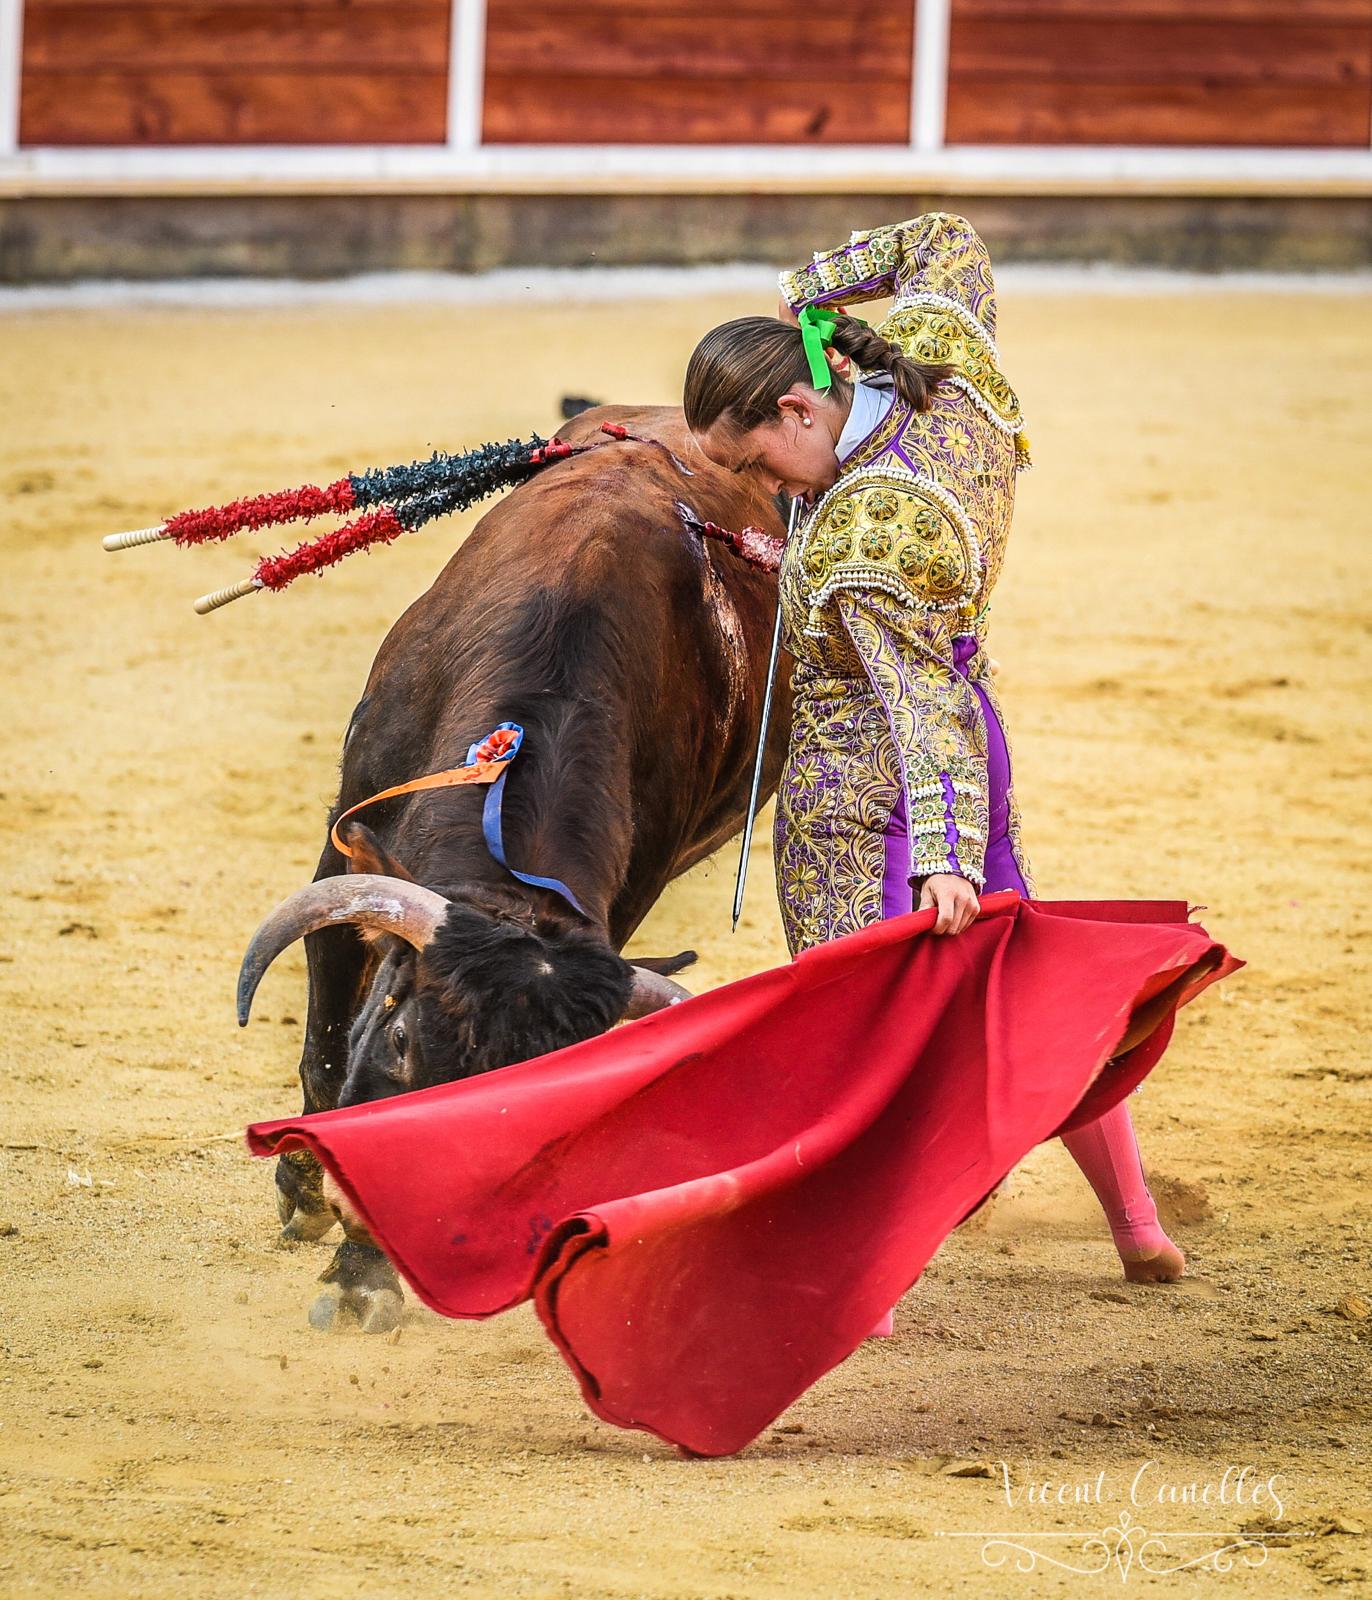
[
  {"x": 1037, "y": 111},
  {"x": 319, "y": 6},
  {"x": 745, "y": 48},
  {"x": 1232, "y": 11},
  {"x": 826, "y": 110},
  {"x": 1012, "y": 48},
  {"x": 411, "y": 36},
  {"x": 233, "y": 107},
  {"x": 712, "y": 72},
  {"x": 587, "y": 18}
]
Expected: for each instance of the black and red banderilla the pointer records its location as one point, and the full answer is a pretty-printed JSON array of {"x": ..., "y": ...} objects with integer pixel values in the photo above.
[{"x": 394, "y": 500}]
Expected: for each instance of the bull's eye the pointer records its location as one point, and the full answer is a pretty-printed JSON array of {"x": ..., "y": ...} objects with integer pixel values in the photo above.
[{"x": 398, "y": 1038}]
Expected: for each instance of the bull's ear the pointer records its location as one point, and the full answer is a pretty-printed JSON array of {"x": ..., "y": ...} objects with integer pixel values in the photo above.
[{"x": 369, "y": 854}]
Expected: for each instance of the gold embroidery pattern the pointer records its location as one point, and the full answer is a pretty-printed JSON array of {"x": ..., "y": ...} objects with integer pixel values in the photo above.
[
  {"x": 836, "y": 796},
  {"x": 938, "y": 727},
  {"x": 955, "y": 446},
  {"x": 892, "y": 530},
  {"x": 945, "y": 303},
  {"x": 935, "y": 336},
  {"x": 980, "y": 673},
  {"x": 844, "y": 766},
  {"x": 912, "y": 295},
  {"x": 937, "y": 253}
]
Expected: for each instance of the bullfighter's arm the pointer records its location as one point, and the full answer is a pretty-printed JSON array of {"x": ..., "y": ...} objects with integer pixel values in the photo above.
[
  {"x": 935, "y": 253},
  {"x": 893, "y": 565},
  {"x": 938, "y": 730}
]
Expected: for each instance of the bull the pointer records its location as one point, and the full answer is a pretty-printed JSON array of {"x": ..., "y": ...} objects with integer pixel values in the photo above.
[{"x": 586, "y": 608}]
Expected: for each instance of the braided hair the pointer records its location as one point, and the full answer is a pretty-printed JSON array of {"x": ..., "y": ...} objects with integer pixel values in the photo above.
[{"x": 740, "y": 369}]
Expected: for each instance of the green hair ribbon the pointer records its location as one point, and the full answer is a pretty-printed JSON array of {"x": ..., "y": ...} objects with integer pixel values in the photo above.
[{"x": 816, "y": 332}]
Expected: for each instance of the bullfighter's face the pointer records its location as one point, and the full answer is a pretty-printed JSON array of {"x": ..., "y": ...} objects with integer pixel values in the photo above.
[{"x": 795, "y": 454}]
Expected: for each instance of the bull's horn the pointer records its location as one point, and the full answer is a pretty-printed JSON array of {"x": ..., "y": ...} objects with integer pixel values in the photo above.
[
  {"x": 666, "y": 965},
  {"x": 367, "y": 900},
  {"x": 651, "y": 992}
]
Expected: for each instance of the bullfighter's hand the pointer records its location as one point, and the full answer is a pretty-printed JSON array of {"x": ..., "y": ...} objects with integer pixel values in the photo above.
[{"x": 955, "y": 898}]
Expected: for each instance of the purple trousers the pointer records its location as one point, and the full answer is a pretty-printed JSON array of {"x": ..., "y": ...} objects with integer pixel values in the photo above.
[{"x": 897, "y": 897}]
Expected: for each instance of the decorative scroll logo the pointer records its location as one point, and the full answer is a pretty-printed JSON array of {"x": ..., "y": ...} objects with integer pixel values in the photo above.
[{"x": 1127, "y": 1545}]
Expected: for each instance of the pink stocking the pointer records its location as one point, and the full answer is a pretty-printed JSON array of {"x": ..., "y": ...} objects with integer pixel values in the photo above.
[{"x": 1108, "y": 1153}]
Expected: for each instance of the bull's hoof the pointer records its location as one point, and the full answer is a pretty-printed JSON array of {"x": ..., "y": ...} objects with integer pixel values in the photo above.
[
  {"x": 383, "y": 1312},
  {"x": 325, "y": 1312},
  {"x": 300, "y": 1201},
  {"x": 360, "y": 1286},
  {"x": 373, "y": 1310},
  {"x": 304, "y": 1227}
]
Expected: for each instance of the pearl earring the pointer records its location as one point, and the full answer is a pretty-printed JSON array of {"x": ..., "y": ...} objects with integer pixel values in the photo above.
[{"x": 805, "y": 422}]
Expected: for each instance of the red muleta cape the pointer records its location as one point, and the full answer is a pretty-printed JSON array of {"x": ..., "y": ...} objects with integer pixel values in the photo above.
[{"x": 712, "y": 1206}]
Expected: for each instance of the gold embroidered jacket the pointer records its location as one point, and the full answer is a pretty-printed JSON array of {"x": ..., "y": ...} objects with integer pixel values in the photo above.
[{"x": 884, "y": 591}]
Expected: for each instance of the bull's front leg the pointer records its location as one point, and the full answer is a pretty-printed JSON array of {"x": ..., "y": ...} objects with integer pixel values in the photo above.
[
  {"x": 359, "y": 1282},
  {"x": 335, "y": 959},
  {"x": 299, "y": 1201}
]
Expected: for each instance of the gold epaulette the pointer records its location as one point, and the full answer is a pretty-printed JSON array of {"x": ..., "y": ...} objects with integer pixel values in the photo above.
[
  {"x": 939, "y": 332},
  {"x": 892, "y": 530}
]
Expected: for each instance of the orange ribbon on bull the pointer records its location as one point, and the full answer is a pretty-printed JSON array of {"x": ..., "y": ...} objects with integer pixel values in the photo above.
[{"x": 491, "y": 757}]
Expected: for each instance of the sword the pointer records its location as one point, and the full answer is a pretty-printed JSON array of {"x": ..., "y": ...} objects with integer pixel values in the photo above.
[{"x": 761, "y": 739}]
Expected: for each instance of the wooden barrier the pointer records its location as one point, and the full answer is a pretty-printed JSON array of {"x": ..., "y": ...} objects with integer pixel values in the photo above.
[
  {"x": 712, "y": 72},
  {"x": 1160, "y": 72},
  {"x": 142, "y": 72},
  {"x": 697, "y": 73}
]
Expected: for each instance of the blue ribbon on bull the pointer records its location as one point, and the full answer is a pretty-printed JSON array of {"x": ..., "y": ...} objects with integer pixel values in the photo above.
[
  {"x": 491, "y": 825},
  {"x": 488, "y": 761}
]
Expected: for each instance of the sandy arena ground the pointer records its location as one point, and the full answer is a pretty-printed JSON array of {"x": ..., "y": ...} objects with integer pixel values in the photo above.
[{"x": 1183, "y": 628}]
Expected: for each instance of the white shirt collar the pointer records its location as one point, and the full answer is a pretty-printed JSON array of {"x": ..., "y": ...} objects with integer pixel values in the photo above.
[{"x": 873, "y": 397}]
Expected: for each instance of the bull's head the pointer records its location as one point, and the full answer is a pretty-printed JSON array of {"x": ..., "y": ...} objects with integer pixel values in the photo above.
[{"x": 464, "y": 982}]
